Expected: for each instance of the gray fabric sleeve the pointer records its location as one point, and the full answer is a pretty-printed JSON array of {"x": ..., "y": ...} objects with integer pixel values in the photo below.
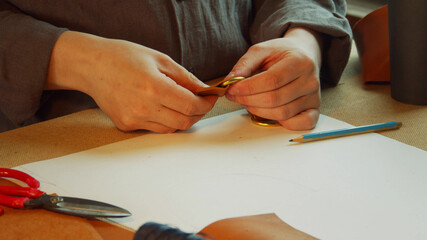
[
  {"x": 25, "y": 49},
  {"x": 327, "y": 17}
]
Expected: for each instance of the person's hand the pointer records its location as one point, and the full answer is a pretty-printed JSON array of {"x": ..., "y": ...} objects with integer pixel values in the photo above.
[
  {"x": 282, "y": 80},
  {"x": 137, "y": 87}
]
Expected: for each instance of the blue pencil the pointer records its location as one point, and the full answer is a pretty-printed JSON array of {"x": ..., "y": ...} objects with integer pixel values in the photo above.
[{"x": 347, "y": 131}]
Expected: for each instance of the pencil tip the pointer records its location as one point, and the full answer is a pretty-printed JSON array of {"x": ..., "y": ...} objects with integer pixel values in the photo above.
[{"x": 291, "y": 140}]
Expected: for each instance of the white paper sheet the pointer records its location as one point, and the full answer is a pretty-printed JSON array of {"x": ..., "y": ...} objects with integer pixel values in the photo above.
[{"x": 359, "y": 187}]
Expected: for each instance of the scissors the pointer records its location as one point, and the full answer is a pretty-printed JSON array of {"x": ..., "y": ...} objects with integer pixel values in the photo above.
[
  {"x": 31, "y": 197},
  {"x": 221, "y": 88}
]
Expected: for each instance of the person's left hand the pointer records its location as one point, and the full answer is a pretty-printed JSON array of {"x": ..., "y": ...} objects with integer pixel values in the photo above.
[{"x": 282, "y": 80}]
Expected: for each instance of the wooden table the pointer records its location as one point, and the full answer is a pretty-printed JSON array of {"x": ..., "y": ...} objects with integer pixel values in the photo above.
[{"x": 351, "y": 101}]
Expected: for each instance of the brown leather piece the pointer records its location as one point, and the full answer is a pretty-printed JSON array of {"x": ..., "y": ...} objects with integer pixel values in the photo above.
[
  {"x": 372, "y": 42},
  {"x": 212, "y": 90},
  {"x": 215, "y": 89},
  {"x": 258, "y": 227},
  {"x": 42, "y": 224}
]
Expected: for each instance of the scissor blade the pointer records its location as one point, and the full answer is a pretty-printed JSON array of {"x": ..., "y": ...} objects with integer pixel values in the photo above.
[{"x": 81, "y": 207}]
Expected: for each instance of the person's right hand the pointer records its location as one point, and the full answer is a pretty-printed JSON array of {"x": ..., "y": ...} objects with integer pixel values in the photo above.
[{"x": 137, "y": 87}]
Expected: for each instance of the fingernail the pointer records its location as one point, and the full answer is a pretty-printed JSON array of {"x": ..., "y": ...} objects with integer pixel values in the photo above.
[
  {"x": 231, "y": 74},
  {"x": 235, "y": 73}
]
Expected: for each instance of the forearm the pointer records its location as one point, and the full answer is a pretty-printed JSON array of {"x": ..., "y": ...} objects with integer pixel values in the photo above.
[{"x": 72, "y": 61}]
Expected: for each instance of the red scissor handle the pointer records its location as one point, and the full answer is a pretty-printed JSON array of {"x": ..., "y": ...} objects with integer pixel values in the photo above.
[
  {"x": 11, "y": 173},
  {"x": 20, "y": 191},
  {"x": 12, "y": 202},
  {"x": 24, "y": 192}
]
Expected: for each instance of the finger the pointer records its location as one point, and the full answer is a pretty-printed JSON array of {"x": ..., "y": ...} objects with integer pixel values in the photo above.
[
  {"x": 180, "y": 99},
  {"x": 287, "y": 111},
  {"x": 301, "y": 87},
  {"x": 183, "y": 99},
  {"x": 179, "y": 74},
  {"x": 157, "y": 127},
  {"x": 144, "y": 125},
  {"x": 189, "y": 105},
  {"x": 304, "y": 121},
  {"x": 157, "y": 119},
  {"x": 288, "y": 69},
  {"x": 249, "y": 63},
  {"x": 175, "y": 120}
]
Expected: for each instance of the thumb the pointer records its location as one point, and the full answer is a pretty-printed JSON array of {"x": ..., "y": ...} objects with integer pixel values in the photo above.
[
  {"x": 189, "y": 81},
  {"x": 249, "y": 63},
  {"x": 183, "y": 77}
]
